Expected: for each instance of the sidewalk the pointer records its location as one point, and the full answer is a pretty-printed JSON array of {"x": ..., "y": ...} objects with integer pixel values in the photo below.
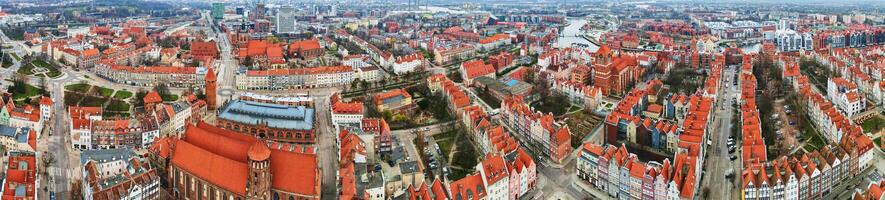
[{"x": 595, "y": 193}]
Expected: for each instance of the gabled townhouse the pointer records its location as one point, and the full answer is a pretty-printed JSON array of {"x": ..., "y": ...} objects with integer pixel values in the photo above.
[
  {"x": 846, "y": 96},
  {"x": 345, "y": 113},
  {"x": 473, "y": 69},
  {"x": 555, "y": 140},
  {"x": 622, "y": 176},
  {"x": 494, "y": 177}
]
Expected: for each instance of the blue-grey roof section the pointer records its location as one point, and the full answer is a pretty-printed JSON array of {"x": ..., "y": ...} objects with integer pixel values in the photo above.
[
  {"x": 105, "y": 155},
  {"x": 20, "y": 190},
  {"x": 19, "y": 134},
  {"x": 23, "y": 134},
  {"x": 273, "y": 115},
  {"x": 7, "y": 131}
]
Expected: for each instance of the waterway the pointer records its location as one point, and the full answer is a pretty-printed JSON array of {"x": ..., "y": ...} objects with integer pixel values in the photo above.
[{"x": 571, "y": 34}]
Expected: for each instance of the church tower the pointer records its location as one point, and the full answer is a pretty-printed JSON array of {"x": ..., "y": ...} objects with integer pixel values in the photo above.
[
  {"x": 211, "y": 92},
  {"x": 259, "y": 172}
]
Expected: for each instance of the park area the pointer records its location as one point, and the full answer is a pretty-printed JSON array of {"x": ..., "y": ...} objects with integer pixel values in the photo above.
[
  {"x": 874, "y": 124},
  {"x": 23, "y": 93},
  {"x": 582, "y": 124},
  {"x": 555, "y": 103},
  {"x": 458, "y": 151},
  {"x": 39, "y": 68},
  {"x": 114, "y": 103},
  {"x": 429, "y": 109}
]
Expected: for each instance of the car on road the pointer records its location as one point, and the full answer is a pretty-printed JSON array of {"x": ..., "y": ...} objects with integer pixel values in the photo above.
[
  {"x": 734, "y": 157},
  {"x": 731, "y": 149}
]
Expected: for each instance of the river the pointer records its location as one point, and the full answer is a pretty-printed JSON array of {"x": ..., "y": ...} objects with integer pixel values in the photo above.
[{"x": 571, "y": 34}]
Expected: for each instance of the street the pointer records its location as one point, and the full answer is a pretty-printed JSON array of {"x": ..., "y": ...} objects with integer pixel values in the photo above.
[{"x": 718, "y": 161}]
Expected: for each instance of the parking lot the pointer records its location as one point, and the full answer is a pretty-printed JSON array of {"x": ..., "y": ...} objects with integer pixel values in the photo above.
[{"x": 786, "y": 122}]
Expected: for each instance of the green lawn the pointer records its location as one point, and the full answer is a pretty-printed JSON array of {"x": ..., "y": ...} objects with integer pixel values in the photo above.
[
  {"x": 465, "y": 158},
  {"x": 105, "y": 92},
  {"x": 170, "y": 97},
  {"x": 53, "y": 71},
  {"x": 445, "y": 141},
  {"x": 873, "y": 125},
  {"x": 72, "y": 98},
  {"x": 122, "y": 94},
  {"x": 117, "y": 105},
  {"x": 7, "y": 64},
  {"x": 115, "y": 115},
  {"x": 91, "y": 101},
  {"x": 26, "y": 69},
  {"x": 30, "y": 91},
  {"x": 16, "y": 57},
  {"x": 814, "y": 140},
  {"x": 459, "y": 173},
  {"x": 79, "y": 87}
]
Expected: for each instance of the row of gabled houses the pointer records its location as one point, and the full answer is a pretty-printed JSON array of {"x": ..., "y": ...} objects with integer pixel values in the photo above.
[
  {"x": 619, "y": 173},
  {"x": 551, "y": 139},
  {"x": 811, "y": 175},
  {"x": 90, "y": 130},
  {"x": 670, "y": 123}
]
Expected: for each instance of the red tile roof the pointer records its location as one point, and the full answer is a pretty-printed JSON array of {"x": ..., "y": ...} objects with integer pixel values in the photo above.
[
  {"x": 152, "y": 97},
  {"x": 494, "y": 168},
  {"x": 220, "y": 157},
  {"x": 470, "y": 184},
  {"x": 476, "y": 68},
  {"x": 380, "y": 97},
  {"x": 304, "y": 45},
  {"x": 295, "y": 172},
  {"x": 494, "y": 38}
]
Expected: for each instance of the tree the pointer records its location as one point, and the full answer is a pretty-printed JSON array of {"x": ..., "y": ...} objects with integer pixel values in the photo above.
[
  {"x": 529, "y": 76},
  {"x": 200, "y": 94},
  {"x": 248, "y": 61},
  {"x": 162, "y": 89},
  {"x": 542, "y": 88},
  {"x": 455, "y": 76},
  {"x": 365, "y": 85},
  {"x": 103, "y": 47},
  {"x": 355, "y": 85},
  {"x": 139, "y": 98},
  {"x": 19, "y": 84},
  {"x": 165, "y": 42},
  {"x": 43, "y": 89},
  {"x": 383, "y": 82}
]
